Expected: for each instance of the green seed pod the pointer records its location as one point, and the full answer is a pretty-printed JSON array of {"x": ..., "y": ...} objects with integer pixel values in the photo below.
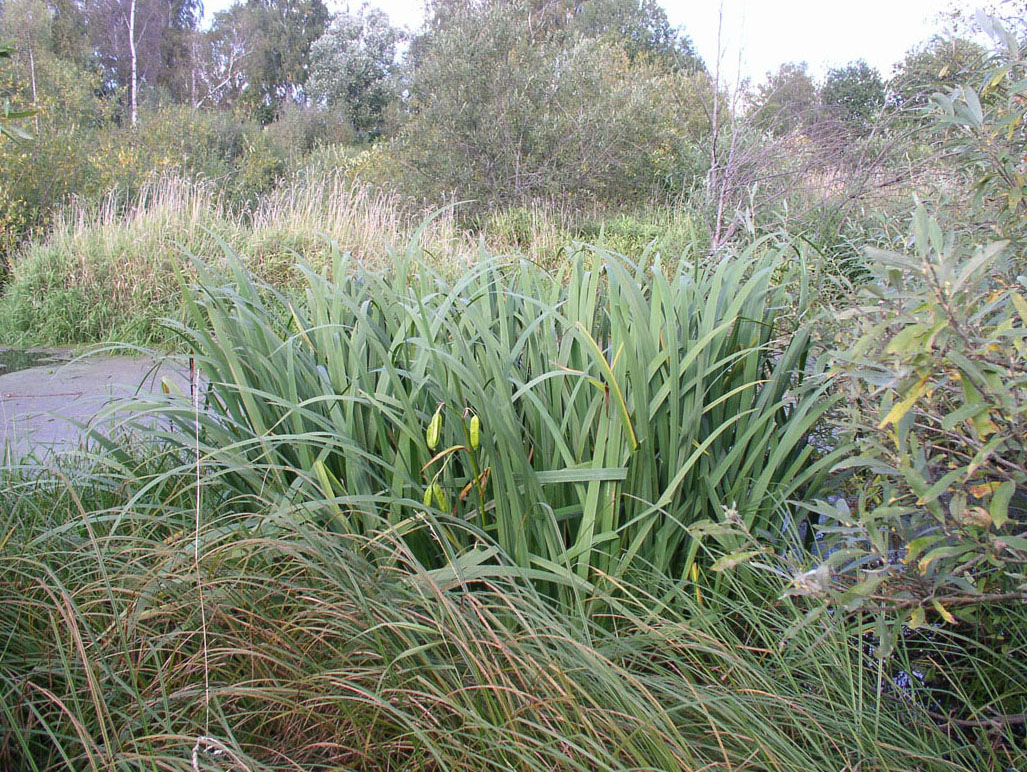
[
  {"x": 434, "y": 433},
  {"x": 475, "y": 432},
  {"x": 427, "y": 496},
  {"x": 440, "y": 497}
]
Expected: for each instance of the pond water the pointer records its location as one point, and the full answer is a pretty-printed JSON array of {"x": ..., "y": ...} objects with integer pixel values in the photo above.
[
  {"x": 12, "y": 359},
  {"x": 47, "y": 396}
]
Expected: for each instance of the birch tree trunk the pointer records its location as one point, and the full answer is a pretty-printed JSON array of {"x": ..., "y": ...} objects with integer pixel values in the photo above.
[{"x": 133, "y": 112}]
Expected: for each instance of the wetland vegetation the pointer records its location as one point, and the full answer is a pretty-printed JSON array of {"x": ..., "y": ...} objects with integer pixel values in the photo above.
[{"x": 560, "y": 409}]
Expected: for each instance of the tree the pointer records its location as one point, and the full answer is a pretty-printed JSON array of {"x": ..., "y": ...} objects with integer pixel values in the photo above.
[
  {"x": 69, "y": 37},
  {"x": 27, "y": 22},
  {"x": 142, "y": 42},
  {"x": 511, "y": 99},
  {"x": 218, "y": 60},
  {"x": 938, "y": 65},
  {"x": 854, "y": 94},
  {"x": 984, "y": 122},
  {"x": 62, "y": 87},
  {"x": 7, "y": 115},
  {"x": 353, "y": 68},
  {"x": 272, "y": 40},
  {"x": 641, "y": 27},
  {"x": 786, "y": 101}
]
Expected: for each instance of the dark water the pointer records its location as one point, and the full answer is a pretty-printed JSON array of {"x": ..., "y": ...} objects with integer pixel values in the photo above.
[{"x": 12, "y": 359}]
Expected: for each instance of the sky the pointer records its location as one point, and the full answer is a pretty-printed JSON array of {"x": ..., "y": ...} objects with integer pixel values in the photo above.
[
  {"x": 760, "y": 35},
  {"x": 823, "y": 33}
]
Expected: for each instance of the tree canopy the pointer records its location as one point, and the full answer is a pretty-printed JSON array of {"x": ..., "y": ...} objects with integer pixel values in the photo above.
[
  {"x": 162, "y": 29},
  {"x": 353, "y": 67},
  {"x": 854, "y": 94},
  {"x": 939, "y": 64},
  {"x": 512, "y": 98},
  {"x": 268, "y": 42},
  {"x": 787, "y": 100}
]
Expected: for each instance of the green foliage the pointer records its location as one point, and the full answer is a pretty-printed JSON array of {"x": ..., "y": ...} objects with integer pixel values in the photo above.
[
  {"x": 939, "y": 65},
  {"x": 68, "y": 34},
  {"x": 985, "y": 124},
  {"x": 543, "y": 232},
  {"x": 532, "y": 109},
  {"x": 79, "y": 156},
  {"x": 141, "y": 632},
  {"x": 935, "y": 383},
  {"x": 786, "y": 101},
  {"x": 300, "y": 130},
  {"x": 640, "y": 25},
  {"x": 929, "y": 545},
  {"x": 269, "y": 42},
  {"x": 941, "y": 369},
  {"x": 934, "y": 378},
  {"x": 105, "y": 271},
  {"x": 353, "y": 69},
  {"x": 8, "y": 129},
  {"x": 618, "y": 404},
  {"x": 162, "y": 32},
  {"x": 658, "y": 231},
  {"x": 854, "y": 95},
  {"x": 90, "y": 284},
  {"x": 947, "y": 346}
]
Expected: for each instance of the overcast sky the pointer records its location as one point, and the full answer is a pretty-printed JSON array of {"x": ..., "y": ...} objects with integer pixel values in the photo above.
[
  {"x": 823, "y": 33},
  {"x": 766, "y": 33}
]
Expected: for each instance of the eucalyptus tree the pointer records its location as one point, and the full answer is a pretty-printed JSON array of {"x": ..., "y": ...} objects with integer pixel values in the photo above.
[{"x": 268, "y": 45}]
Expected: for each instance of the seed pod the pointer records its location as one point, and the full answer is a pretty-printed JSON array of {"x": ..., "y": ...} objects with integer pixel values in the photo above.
[
  {"x": 440, "y": 497},
  {"x": 427, "y": 496},
  {"x": 434, "y": 433},
  {"x": 475, "y": 432}
]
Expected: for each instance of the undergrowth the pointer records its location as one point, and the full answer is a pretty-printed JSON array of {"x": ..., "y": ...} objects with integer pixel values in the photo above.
[
  {"x": 138, "y": 634},
  {"x": 105, "y": 272}
]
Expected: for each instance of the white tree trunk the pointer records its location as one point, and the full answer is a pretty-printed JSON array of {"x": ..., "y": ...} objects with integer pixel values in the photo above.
[
  {"x": 133, "y": 112},
  {"x": 32, "y": 74},
  {"x": 32, "y": 71}
]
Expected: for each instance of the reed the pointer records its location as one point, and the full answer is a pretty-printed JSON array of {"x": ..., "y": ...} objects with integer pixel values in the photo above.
[{"x": 618, "y": 403}]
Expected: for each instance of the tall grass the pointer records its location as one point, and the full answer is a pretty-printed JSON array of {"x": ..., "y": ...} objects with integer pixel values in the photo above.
[
  {"x": 361, "y": 219},
  {"x": 105, "y": 271},
  {"x": 618, "y": 404},
  {"x": 257, "y": 583},
  {"x": 286, "y": 647}
]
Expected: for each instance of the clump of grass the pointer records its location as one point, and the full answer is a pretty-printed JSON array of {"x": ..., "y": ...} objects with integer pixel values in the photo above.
[
  {"x": 105, "y": 272},
  {"x": 618, "y": 404},
  {"x": 361, "y": 219},
  {"x": 137, "y": 634}
]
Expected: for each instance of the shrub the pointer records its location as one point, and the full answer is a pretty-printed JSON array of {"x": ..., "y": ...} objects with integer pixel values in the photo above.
[
  {"x": 941, "y": 373},
  {"x": 984, "y": 124},
  {"x": 935, "y": 384},
  {"x": 532, "y": 109}
]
